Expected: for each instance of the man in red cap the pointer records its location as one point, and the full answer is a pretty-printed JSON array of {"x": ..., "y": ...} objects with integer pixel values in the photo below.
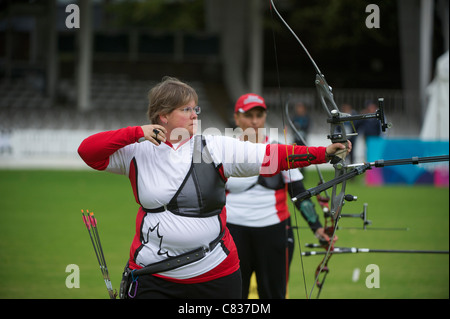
[
  {"x": 249, "y": 101},
  {"x": 250, "y": 114},
  {"x": 257, "y": 211}
]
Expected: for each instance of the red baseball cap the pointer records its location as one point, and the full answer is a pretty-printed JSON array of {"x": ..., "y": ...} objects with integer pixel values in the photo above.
[{"x": 248, "y": 101}]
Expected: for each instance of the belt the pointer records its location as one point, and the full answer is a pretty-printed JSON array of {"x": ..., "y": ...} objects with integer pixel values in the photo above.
[
  {"x": 155, "y": 210},
  {"x": 180, "y": 260}
]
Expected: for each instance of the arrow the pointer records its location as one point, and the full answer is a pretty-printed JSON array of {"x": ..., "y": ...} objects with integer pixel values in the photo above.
[
  {"x": 354, "y": 250},
  {"x": 91, "y": 224}
]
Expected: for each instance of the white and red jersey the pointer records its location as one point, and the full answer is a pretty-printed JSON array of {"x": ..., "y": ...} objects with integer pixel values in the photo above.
[
  {"x": 156, "y": 174},
  {"x": 251, "y": 204}
]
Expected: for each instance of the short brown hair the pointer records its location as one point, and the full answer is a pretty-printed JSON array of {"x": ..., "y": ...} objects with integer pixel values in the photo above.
[{"x": 168, "y": 95}]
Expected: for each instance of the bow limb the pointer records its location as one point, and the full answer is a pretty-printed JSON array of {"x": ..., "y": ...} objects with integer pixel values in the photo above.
[{"x": 295, "y": 36}]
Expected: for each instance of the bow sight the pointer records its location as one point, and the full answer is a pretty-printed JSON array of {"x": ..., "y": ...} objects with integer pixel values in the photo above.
[{"x": 337, "y": 117}]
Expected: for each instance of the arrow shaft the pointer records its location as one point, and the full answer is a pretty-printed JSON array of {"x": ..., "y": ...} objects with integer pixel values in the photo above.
[{"x": 354, "y": 250}]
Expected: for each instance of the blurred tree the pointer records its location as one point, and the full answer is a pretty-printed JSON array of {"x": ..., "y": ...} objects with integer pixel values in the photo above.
[
  {"x": 341, "y": 24},
  {"x": 335, "y": 33},
  {"x": 165, "y": 15}
]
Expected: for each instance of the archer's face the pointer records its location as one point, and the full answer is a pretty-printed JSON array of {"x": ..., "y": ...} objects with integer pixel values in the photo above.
[
  {"x": 183, "y": 118},
  {"x": 250, "y": 122}
]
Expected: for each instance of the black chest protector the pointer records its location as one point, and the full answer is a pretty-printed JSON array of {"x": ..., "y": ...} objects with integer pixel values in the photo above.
[
  {"x": 202, "y": 192},
  {"x": 273, "y": 182}
]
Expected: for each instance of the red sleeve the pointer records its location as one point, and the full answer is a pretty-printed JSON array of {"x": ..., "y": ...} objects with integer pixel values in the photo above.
[
  {"x": 276, "y": 155},
  {"x": 96, "y": 149}
]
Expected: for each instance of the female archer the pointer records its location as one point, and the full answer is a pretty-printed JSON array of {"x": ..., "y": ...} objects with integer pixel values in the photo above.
[{"x": 182, "y": 247}]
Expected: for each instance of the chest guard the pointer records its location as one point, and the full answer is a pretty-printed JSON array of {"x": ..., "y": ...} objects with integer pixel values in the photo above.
[
  {"x": 273, "y": 182},
  {"x": 202, "y": 192}
]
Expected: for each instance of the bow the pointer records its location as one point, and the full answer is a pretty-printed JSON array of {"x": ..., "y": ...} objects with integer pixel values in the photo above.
[
  {"x": 343, "y": 172},
  {"x": 337, "y": 134}
]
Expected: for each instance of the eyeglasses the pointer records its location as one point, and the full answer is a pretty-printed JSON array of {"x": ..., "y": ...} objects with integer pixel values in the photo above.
[{"x": 189, "y": 109}]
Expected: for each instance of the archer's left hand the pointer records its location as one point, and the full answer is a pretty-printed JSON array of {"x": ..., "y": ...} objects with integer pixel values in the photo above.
[{"x": 335, "y": 148}]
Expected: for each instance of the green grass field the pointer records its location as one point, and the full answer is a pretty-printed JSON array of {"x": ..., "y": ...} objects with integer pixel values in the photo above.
[{"x": 42, "y": 233}]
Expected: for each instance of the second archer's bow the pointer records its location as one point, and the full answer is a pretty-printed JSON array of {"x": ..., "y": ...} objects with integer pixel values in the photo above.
[{"x": 323, "y": 200}]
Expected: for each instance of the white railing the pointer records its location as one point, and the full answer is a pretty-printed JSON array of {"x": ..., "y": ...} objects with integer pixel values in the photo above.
[{"x": 41, "y": 148}]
